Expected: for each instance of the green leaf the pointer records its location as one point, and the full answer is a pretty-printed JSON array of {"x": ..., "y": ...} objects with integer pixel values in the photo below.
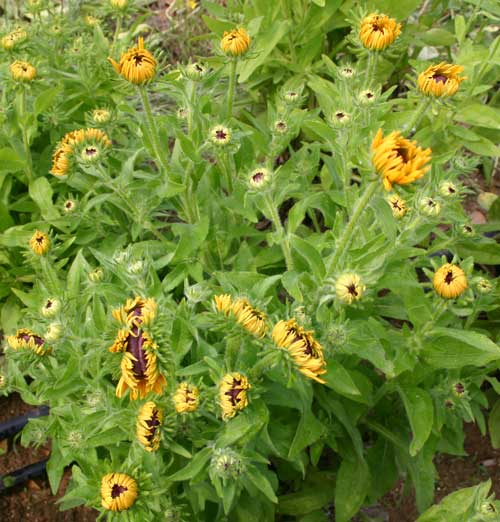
[
  {"x": 261, "y": 482},
  {"x": 41, "y": 193},
  {"x": 303, "y": 250},
  {"x": 291, "y": 282},
  {"x": 494, "y": 425},
  {"x": 353, "y": 483},
  {"x": 339, "y": 379},
  {"x": 420, "y": 411},
  {"x": 194, "y": 467},
  {"x": 45, "y": 99},
  {"x": 309, "y": 430},
  {"x": 474, "y": 113},
  {"x": 10, "y": 160}
]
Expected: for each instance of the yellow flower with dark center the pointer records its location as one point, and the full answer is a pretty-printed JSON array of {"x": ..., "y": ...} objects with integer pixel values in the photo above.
[
  {"x": 349, "y": 288},
  {"x": 378, "y": 31},
  {"x": 223, "y": 303},
  {"x": 25, "y": 339},
  {"x": 136, "y": 311},
  {"x": 61, "y": 160},
  {"x": 259, "y": 178},
  {"x": 399, "y": 160},
  {"x": 250, "y": 318},
  {"x": 220, "y": 135},
  {"x": 69, "y": 206},
  {"x": 22, "y": 71},
  {"x": 441, "y": 80},
  {"x": 39, "y": 243},
  {"x": 235, "y": 42},
  {"x": 118, "y": 491},
  {"x": 186, "y": 398},
  {"x": 148, "y": 426},
  {"x": 303, "y": 348},
  {"x": 137, "y": 65},
  {"x": 13, "y": 38},
  {"x": 233, "y": 394},
  {"x": 449, "y": 281},
  {"x": 398, "y": 206}
]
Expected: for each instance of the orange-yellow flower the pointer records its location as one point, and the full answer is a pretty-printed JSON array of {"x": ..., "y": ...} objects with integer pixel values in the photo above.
[
  {"x": 186, "y": 398},
  {"x": 148, "y": 426},
  {"x": 22, "y": 71},
  {"x": 40, "y": 243},
  {"x": 118, "y": 491},
  {"x": 249, "y": 317},
  {"x": 25, "y": 339},
  {"x": 449, "y": 281},
  {"x": 137, "y": 65},
  {"x": 235, "y": 42},
  {"x": 378, "y": 31},
  {"x": 441, "y": 80},
  {"x": 136, "y": 311},
  {"x": 233, "y": 394}
]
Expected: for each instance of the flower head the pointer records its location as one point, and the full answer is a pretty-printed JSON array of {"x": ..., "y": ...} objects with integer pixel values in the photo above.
[
  {"x": 91, "y": 21},
  {"x": 466, "y": 230},
  {"x": 223, "y": 303},
  {"x": 447, "y": 189},
  {"x": 233, "y": 394},
  {"x": 484, "y": 286},
  {"x": 22, "y": 71},
  {"x": 137, "y": 65},
  {"x": 118, "y": 491},
  {"x": 53, "y": 332},
  {"x": 101, "y": 115},
  {"x": 25, "y": 339},
  {"x": 440, "y": 80},
  {"x": 39, "y": 243},
  {"x": 148, "y": 426},
  {"x": 303, "y": 348},
  {"x": 227, "y": 464},
  {"x": 458, "y": 389},
  {"x": 250, "y": 318},
  {"x": 259, "y": 178},
  {"x": 398, "y": 160},
  {"x": 69, "y": 206},
  {"x": 196, "y": 71},
  {"x": 186, "y": 398},
  {"x": 119, "y": 4},
  {"x": 96, "y": 275},
  {"x": 349, "y": 288},
  {"x": 220, "y": 135},
  {"x": 340, "y": 118},
  {"x": 449, "y": 281},
  {"x": 235, "y": 42},
  {"x": 367, "y": 96},
  {"x": 136, "y": 311},
  {"x": 347, "y": 71},
  {"x": 378, "y": 31},
  {"x": 292, "y": 97},
  {"x": 280, "y": 127},
  {"x": 13, "y": 38},
  {"x": 430, "y": 207},
  {"x": 398, "y": 206}
]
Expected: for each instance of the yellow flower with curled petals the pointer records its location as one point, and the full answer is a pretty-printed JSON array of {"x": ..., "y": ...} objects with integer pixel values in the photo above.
[
  {"x": 149, "y": 421},
  {"x": 349, "y": 288},
  {"x": 22, "y": 71},
  {"x": 233, "y": 394},
  {"x": 136, "y": 311},
  {"x": 186, "y": 398},
  {"x": 398, "y": 206},
  {"x": 378, "y": 31},
  {"x": 223, "y": 303},
  {"x": 118, "y": 491},
  {"x": 39, "y": 243},
  {"x": 449, "y": 281},
  {"x": 25, "y": 339},
  {"x": 441, "y": 80},
  {"x": 137, "y": 65},
  {"x": 249, "y": 317},
  {"x": 235, "y": 42}
]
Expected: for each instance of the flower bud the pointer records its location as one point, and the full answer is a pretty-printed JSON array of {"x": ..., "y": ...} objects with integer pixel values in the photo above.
[
  {"x": 53, "y": 332},
  {"x": 69, "y": 206},
  {"x": 220, "y": 135},
  {"x": 486, "y": 200},
  {"x": 39, "y": 243},
  {"x": 196, "y": 71},
  {"x": 430, "y": 207},
  {"x": 337, "y": 335},
  {"x": 340, "y": 118},
  {"x": 484, "y": 286},
  {"x": 398, "y": 206},
  {"x": 51, "y": 307},
  {"x": 448, "y": 189},
  {"x": 91, "y": 21},
  {"x": 96, "y": 275},
  {"x": 227, "y": 464},
  {"x": 90, "y": 154},
  {"x": 136, "y": 267},
  {"x": 280, "y": 127},
  {"x": 235, "y": 42},
  {"x": 366, "y": 97},
  {"x": 292, "y": 97},
  {"x": 182, "y": 113},
  {"x": 458, "y": 389},
  {"x": 259, "y": 178},
  {"x": 349, "y": 288},
  {"x": 22, "y": 71},
  {"x": 119, "y": 4},
  {"x": 101, "y": 115},
  {"x": 347, "y": 71},
  {"x": 466, "y": 230},
  {"x": 75, "y": 439}
]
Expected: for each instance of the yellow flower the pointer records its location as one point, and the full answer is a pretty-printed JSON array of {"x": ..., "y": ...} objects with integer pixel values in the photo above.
[
  {"x": 101, "y": 115},
  {"x": 91, "y": 20},
  {"x": 137, "y": 65},
  {"x": 220, "y": 135},
  {"x": 349, "y": 288},
  {"x": 148, "y": 426},
  {"x": 398, "y": 160},
  {"x": 22, "y": 71},
  {"x": 303, "y": 348},
  {"x": 259, "y": 178},
  {"x": 136, "y": 311},
  {"x": 378, "y": 31},
  {"x": 235, "y": 42},
  {"x": 25, "y": 339},
  {"x": 13, "y": 38},
  {"x": 39, "y": 243},
  {"x": 118, "y": 4},
  {"x": 61, "y": 160},
  {"x": 118, "y": 491},
  {"x": 449, "y": 281},
  {"x": 223, "y": 303},
  {"x": 250, "y": 318},
  {"x": 440, "y": 80},
  {"x": 233, "y": 394},
  {"x": 186, "y": 398},
  {"x": 192, "y": 4},
  {"x": 398, "y": 206}
]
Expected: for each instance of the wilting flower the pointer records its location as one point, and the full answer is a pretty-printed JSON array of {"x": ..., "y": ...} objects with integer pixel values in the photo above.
[
  {"x": 25, "y": 339},
  {"x": 448, "y": 189},
  {"x": 398, "y": 160},
  {"x": 226, "y": 463},
  {"x": 101, "y": 115},
  {"x": 366, "y": 96},
  {"x": 349, "y": 288},
  {"x": 440, "y": 80},
  {"x": 280, "y": 127},
  {"x": 220, "y": 135},
  {"x": 148, "y": 426},
  {"x": 196, "y": 71},
  {"x": 69, "y": 206},
  {"x": 449, "y": 281},
  {"x": 13, "y": 38},
  {"x": 53, "y": 332},
  {"x": 233, "y": 394},
  {"x": 484, "y": 286},
  {"x": 137, "y": 65},
  {"x": 378, "y": 31},
  {"x": 223, "y": 303},
  {"x": 259, "y": 178},
  {"x": 430, "y": 207},
  {"x": 303, "y": 348},
  {"x": 136, "y": 311},
  {"x": 235, "y": 42},
  {"x": 118, "y": 491},
  {"x": 398, "y": 206},
  {"x": 50, "y": 307},
  {"x": 39, "y": 243},
  {"x": 250, "y": 318},
  {"x": 186, "y": 398},
  {"x": 22, "y": 71}
]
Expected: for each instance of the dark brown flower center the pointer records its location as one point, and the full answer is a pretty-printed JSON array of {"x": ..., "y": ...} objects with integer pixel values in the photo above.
[
  {"x": 39, "y": 239},
  {"x": 38, "y": 340},
  {"x": 258, "y": 177},
  {"x": 449, "y": 277},
  {"x": 117, "y": 490},
  {"x": 352, "y": 289},
  {"x": 138, "y": 59},
  {"x": 48, "y": 304},
  {"x": 340, "y": 115},
  {"x": 152, "y": 424},
  {"x": 402, "y": 152},
  {"x": 234, "y": 392},
  {"x": 369, "y": 95},
  {"x": 135, "y": 346},
  {"x": 396, "y": 205},
  {"x": 69, "y": 204},
  {"x": 439, "y": 78},
  {"x": 220, "y": 134},
  {"x": 90, "y": 151},
  {"x": 459, "y": 388}
]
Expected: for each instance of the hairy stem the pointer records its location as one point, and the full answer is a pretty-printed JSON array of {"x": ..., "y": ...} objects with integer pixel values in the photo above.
[
  {"x": 283, "y": 236},
  {"x": 232, "y": 85}
]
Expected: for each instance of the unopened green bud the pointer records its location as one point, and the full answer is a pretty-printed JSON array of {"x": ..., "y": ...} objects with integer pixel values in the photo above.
[
  {"x": 50, "y": 307},
  {"x": 467, "y": 230},
  {"x": 280, "y": 127},
  {"x": 220, "y": 135},
  {"x": 448, "y": 189},
  {"x": 96, "y": 275},
  {"x": 259, "y": 178},
  {"x": 484, "y": 286},
  {"x": 75, "y": 438},
  {"x": 69, "y": 206},
  {"x": 53, "y": 332},
  {"x": 430, "y": 207},
  {"x": 196, "y": 71},
  {"x": 136, "y": 267},
  {"x": 227, "y": 463}
]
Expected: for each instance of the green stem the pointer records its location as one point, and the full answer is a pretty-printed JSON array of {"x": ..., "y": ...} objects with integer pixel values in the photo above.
[
  {"x": 118, "y": 28},
  {"x": 348, "y": 233},
  {"x": 24, "y": 131},
  {"x": 275, "y": 218},
  {"x": 226, "y": 168},
  {"x": 232, "y": 85},
  {"x": 419, "y": 112},
  {"x": 371, "y": 67},
  {"x": 191, "y": 103}
]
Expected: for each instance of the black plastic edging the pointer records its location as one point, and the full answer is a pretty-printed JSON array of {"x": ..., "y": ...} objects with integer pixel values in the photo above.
[
  {"x": 12, "y": 426},
  {"x": 22, "y": 475}
]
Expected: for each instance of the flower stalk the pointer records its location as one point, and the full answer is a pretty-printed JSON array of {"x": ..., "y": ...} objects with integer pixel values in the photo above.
[
  {"x": 418, "y": 114},
  {"x": 232, "y": 85},
  {"x": 283, "y": 236},
  {"x": 24, "y": 131}
]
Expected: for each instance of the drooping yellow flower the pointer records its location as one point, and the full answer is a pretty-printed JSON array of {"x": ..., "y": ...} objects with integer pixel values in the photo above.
[
  {"x": 223, "y": 303},
  {"x": 186, "y": 398},
  {"x": 449, "y": 281},
  {"x": 137, "y": 65},
  {"x": 378, "y": 31},
  {"x": 399, "y": 160},
  {"x": 39, "y": 243},
  {"x": 233, "y": 394},
  {"x": 149, "y": 421},
  {"x": 303, "y": 348},
  {"x": 118, "y": 491},
  {"x": 349, "y": 288},
  {"x": 61, "y": 160},
  {"x": 235, "y": 42},
  {"x": 398, "y": 206},
  {"x": 441, "y": 80},
  {"x": 136, "y": 311},
  {"x": 249, "y": 317},
  {"x": 22, "y": 71},
  {"x": 25, "y": 339}
]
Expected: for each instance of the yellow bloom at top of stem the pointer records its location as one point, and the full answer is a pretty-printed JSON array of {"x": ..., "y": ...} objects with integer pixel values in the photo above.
[
  {"x": 441, "y": 80},
  {"x": 223, "y": 303},
  {"x": 137, "y": 65},
  {"x": 25, "y": 339},
  {"x": 186, "y": 398},
  {"x": 149, "y": 421},
  {"x": 119, "y": 4},
  {"x": 136, "y": 311},
  {"x": 118, "y": 491},
  {"x": 449, "y": 281},
  {"x": 22, "y": 71},
  {"x": 235, "y": 42},
  {"x": 39, "y": 243},
  {"x": 349, "y": 288},
  {"x": 378, "y": 31},
  {"x": 249, "y": 317},
  {"x": 15, "y": 37},
  {"x": 398, "y": 159},
  {"x": 101, "y": 115},
  {"x": 398, "y": 206},
  {"x": 233, "y": 394}
]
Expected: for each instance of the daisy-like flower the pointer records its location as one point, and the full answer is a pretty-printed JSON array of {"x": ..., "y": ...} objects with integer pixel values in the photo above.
[
  {"x": 118, "y": 491},
  {"x": 378, "y": 31},
  {"x": 349, "y": 288},
  {"x": 137, "y": 65},
  {"x": 220, "y": 135},
  {"x": 223, "y": 303},
  {"x": 398, "y": 206},
  {"x": 259, "y": 178},
  {"x": 398, "y": 160},
  {"x": 25, "y": 339},
  {"x": 441, "y": 80},
  {"x": 186, "y": 398},
  {"x": 136, "y": 311},
  {"x": 22, "y": 71},
  {"x": 303, "y": 348},
  {"x": 233, "y": 394},
  {"x": 149, "y": 421},
  {"x": 367, "y": 96},
  {"x": 235, "y": 42},
  {"x": 430, "y": 207},
  {"x": 250, "y": 318},
  {"x": 484, "y": 286},
  {"x": 449, "y": 281},
  {"x": 447, "y": 189},
  {"x": 13, "y": 38},
  {"x": 39, "y": 243},
  {"x": 101, "y": 115}
]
